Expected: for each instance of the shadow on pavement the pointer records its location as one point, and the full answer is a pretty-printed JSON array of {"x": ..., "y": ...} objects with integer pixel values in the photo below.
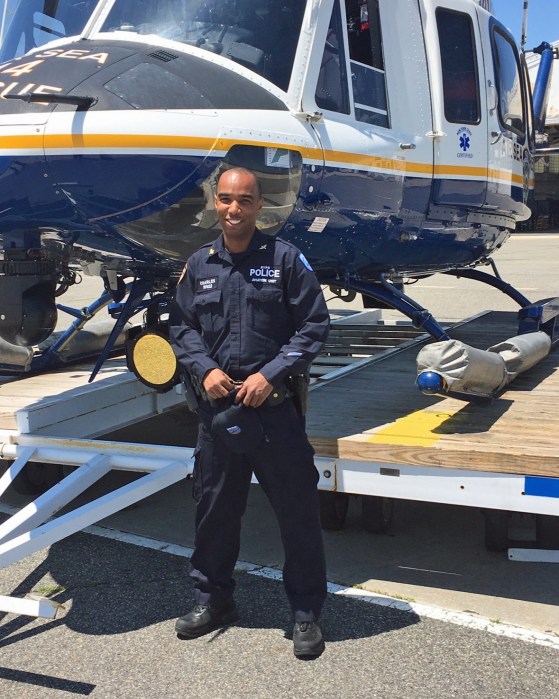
[{"x": 109, "y": 587}]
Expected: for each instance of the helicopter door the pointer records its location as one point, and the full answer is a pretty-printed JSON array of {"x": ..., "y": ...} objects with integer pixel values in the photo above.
[
  {"x": 373, "y": 96},
  {"x": 510, "y": 124},
  {"x": 460, "y": 132}
]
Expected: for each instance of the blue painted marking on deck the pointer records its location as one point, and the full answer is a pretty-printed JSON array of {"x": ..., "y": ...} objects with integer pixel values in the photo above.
[{"x": 543, "y": 487}]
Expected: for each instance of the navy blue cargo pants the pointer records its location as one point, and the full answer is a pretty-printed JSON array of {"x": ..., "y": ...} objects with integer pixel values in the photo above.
[{"x": 285, "y": 470}]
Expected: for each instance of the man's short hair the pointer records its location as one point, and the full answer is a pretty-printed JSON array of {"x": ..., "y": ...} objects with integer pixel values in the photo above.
[{"x": 245, "y": 171}]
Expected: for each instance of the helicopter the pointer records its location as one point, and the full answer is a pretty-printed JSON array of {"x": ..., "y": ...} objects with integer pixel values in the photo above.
[{"x": 393, "y": 139}]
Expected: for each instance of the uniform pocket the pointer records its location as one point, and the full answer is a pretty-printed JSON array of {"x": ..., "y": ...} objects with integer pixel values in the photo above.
[
  {"x": 265, "y": 307},
  {"x": 209, "y": 308}
]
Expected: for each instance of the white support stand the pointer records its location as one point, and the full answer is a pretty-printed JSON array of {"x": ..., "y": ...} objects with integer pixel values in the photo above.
[
  {"x": 42, "y": 607},
  {"x": 10, "y": 475},
  {"x": 56, "y": 498},
  {"x": 33, "y": 528},
  {"x": 72, "y": 522}
]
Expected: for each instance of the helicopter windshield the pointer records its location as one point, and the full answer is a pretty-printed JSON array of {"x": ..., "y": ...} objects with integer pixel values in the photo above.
[
  {"x": 36, "y": 22},
  {"x": 261, "y": 35}
]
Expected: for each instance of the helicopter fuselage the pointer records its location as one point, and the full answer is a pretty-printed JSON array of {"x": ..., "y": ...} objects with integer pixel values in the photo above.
[{"x": 374, "y": 161}]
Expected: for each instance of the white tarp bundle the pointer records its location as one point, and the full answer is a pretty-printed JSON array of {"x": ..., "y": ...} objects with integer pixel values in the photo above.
[
  {"x": 470, "y": 370},
  {"x": 14, "y": 357},
  {"x": 88, "y": 341}
]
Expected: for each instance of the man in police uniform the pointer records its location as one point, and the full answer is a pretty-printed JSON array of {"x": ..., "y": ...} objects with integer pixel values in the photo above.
[{"x": 248, "y": 315}]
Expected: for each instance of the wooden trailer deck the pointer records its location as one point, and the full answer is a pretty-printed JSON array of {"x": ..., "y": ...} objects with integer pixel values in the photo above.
[
  {"x": 63, "y": 404},
  {"x": 377, "y": 414},
  {"x": 373, "y": 413}
]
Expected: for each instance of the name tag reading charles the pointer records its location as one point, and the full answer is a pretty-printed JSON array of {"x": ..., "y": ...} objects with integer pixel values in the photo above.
[
  {"x": 207, "y": 284},
  {"x": 265, "y": 275}
]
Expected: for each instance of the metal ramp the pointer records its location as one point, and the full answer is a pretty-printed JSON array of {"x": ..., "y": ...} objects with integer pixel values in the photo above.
[
  {"x": 32, "y": 528},
  {"x": 357, "y": 339}
]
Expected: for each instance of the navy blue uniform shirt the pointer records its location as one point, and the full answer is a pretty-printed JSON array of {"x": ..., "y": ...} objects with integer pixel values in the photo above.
[{"x": 261, "y": 310}]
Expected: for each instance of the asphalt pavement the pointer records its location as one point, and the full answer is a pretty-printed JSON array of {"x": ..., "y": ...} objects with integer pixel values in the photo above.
[
  {"x": 114, "y": 638},
  {"x": 424, "y": 611}
]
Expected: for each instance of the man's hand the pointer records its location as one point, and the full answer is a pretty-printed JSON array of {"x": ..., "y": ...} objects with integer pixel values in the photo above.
[
  {"x": 254, "y": 390},
  {"x": 217, "y": 384}
]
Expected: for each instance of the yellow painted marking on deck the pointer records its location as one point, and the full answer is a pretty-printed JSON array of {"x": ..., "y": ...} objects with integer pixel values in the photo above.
[{"x": 414, "y": 430}]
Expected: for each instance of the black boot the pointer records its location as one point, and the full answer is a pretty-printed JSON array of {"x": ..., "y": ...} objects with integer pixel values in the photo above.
[
  {"x": 307, "y": 639},
  {"x": 205, "y": 618}
]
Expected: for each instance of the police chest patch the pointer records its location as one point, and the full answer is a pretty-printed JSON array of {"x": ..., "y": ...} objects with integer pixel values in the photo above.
[
  {"x": 265, "y": 275},
  {"x": 207, "y": 284}
]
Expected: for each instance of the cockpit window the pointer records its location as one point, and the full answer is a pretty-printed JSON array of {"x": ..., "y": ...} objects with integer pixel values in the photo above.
[
  {"x": 509, "y": 84},
  {"x": 261, "y": 35},
  {"x": 36, "y": 22},
  {"x": 367, "y": 62},
  {"x": 368, "y": 80},
  {"x": 331, "y": 90}
]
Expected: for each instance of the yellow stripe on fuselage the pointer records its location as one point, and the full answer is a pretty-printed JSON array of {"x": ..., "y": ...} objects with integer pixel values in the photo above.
[
  {"x": 21, "y": 142},
  {"x": 376, "y": 163},
  {"x": 128, "y": 141},
  {"x": 460, "y": 171},
  {"x": 163, "y": 142}
]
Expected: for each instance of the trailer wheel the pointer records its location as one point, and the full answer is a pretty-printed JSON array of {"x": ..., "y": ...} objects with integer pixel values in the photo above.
[
  {"x": 377, "y": 513},
  {"x": 496, "y": 530},
  {"x": 333, "y": 509},
  {"x": 36, "y": 478}
]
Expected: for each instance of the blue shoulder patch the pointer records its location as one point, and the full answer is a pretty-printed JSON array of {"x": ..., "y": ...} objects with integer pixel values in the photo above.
[{"x": 305, "y": 262}]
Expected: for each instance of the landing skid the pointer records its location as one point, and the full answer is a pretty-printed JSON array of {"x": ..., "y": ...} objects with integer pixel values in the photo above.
[
  {"x": 532, "y": 316},
  {"x": 388, "y": 295},
  {"x": 541, "y": 315},
  {"x": 493, "y": 280},
  {"x": 448, "y": 364}
]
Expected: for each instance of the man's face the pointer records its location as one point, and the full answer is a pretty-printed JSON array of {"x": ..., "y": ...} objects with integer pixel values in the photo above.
[{"x": 237, "y": 204}]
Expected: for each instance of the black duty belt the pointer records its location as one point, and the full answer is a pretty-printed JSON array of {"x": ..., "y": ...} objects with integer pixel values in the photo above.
[{"x": 276, "y": 397}]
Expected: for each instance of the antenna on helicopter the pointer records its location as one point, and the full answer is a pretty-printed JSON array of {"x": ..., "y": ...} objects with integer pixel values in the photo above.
[
  {"x": 3, "y": 21},
  {"x": 524, "y": 26}
]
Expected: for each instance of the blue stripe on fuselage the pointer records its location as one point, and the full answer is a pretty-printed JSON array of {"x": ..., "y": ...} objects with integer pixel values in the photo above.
[{"x": 375, "y": 221}]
